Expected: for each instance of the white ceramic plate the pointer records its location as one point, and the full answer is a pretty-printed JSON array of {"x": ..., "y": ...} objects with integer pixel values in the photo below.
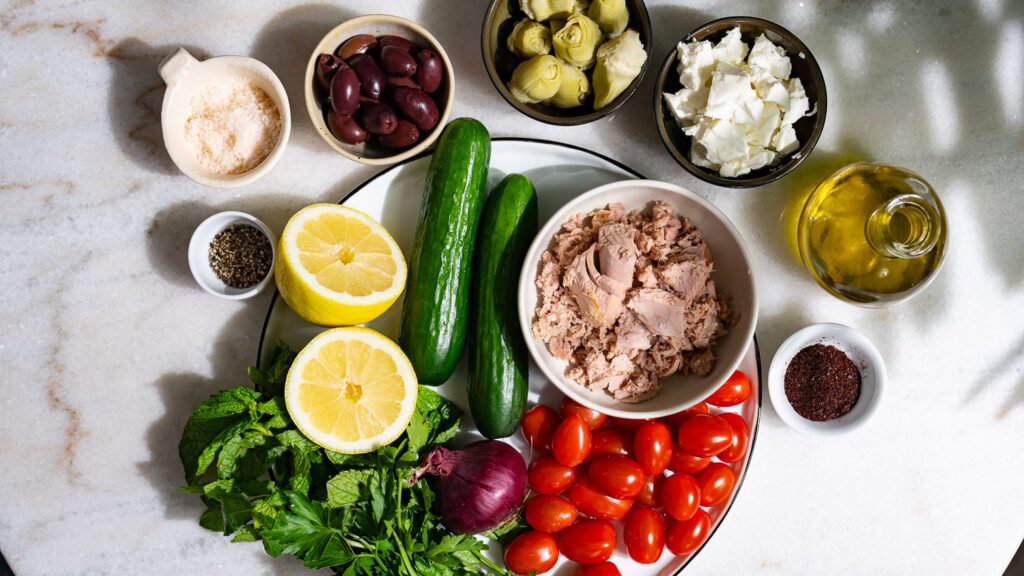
[{"x": 560, "y": 173}]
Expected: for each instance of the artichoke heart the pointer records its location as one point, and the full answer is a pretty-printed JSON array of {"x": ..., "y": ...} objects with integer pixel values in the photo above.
[
  {"x": 611, "y": 15},
  {"x": 541, "y": 10},
  {"x": 577, "y": 41},
  {"x": 536, "y": 79},
  {"x": 573, "y": 89},
  {"x": 529, "y": 39},
  {"x": 619, "y": 61}
]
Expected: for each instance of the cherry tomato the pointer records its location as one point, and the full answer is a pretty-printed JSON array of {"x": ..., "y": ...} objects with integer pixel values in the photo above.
[
  {"x": 611, "y": 441},
  {"x": 681, "y": 496},
  {"x": 531, "y": 552},
  {"x": 704, "y": 435},
  {"x": 571, "y": 442},
  {"x": 644, "y": 534},
  {"x": 588, "y": 542},
  {"x": 602, "y": 569},
  {"x": 593, "y": 418},
  {"x": 740, "y": 436},
  {"x": 687, "y": 463},
  {"x": 652, "y": 447},
  {"x": 588, "y": 499},
  {"x": 650, "y": 493},
  {"x": 539, "y": 424},
  {"x": 549, "y": 513},
  {"x": 627, "y": 424},
  {"x": 547, "y": 476},
  {"x": 675, "y": 419},
  {"x": 735, "y": 391},
  {"x": 684, "y": 537},
  {"x": 616, "y": 476},
  {"x": 716, "y": 482}
]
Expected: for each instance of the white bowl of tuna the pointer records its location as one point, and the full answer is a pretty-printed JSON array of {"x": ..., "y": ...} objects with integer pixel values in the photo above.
[{"x": 637, "y": 299}]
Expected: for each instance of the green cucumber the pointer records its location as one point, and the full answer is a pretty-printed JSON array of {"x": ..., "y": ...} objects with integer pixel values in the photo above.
[
  {"x": 435, "y": 310},
  {"x": 497, "y": 352}
]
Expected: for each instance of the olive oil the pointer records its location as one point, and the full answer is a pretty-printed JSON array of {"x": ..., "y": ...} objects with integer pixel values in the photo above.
[{"x": 873, "y": 234}]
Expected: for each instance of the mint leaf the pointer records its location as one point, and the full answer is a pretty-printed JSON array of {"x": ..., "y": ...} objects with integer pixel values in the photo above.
[
  {"x": 310, "y": 531},
  {"x": 214, "y": 422},
  {"x": 271, "y": 380},
  {"x": 348, "y": 487},
  {"x": 441, "y": 416},
  {"x": 235, "y": 449}
]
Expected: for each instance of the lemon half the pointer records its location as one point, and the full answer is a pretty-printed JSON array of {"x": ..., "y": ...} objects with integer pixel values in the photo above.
[
  {"x": 337, "y": 266},
  {"x": 351, "y": 390}
]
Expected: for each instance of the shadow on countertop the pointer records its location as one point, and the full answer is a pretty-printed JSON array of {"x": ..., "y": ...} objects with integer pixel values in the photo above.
[
  {"x": 181, "y": 393},
  {"x": 135, "y": 98}
]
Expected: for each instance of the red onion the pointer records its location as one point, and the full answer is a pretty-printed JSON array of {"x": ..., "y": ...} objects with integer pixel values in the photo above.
[{"x": 478, "y": 487}]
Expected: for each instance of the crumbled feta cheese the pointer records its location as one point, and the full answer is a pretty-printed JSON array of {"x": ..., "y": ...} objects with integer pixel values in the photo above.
[
  {"x": 770, "y": 57},
  {"x": 723, "y": 140},
  {"x": 699, "y": 156},
  {"x": 755, "y": 159},
  {"x": 696, "y": 63},
  {"x": 685, "y": 104},
  {"x": 731, "y": 49},
  {"x": 738, "y": 107},
  {"x": 798, "y": 102},
  {"x": 769, "y": 88},
  {"x": 732, "y": 96},
  {"x": 761, "y": 133},
  {"x": 785, "y": 140}
]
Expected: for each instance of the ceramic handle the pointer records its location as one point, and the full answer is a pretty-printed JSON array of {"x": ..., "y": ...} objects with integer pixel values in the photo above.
[{"x": 175, "y": 66}]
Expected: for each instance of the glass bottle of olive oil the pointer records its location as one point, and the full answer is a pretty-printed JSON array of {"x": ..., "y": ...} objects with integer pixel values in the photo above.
[{"x": 873, "y": 234}]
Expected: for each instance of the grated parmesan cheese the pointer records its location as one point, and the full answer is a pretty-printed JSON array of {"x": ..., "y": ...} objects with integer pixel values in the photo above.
[{"x": 232, "y": 127}]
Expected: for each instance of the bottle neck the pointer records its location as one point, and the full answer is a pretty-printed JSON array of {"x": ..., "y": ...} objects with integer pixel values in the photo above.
[{"x": 907, "y": 226}]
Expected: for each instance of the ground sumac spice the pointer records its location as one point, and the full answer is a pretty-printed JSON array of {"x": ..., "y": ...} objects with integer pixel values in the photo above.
[{"x": 822, "y": 383}]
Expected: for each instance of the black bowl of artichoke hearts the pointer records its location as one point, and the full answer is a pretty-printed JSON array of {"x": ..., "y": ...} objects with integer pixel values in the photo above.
[{"x": 566, "y": 62}]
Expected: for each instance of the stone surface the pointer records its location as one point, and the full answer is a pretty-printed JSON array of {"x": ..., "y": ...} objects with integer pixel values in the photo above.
[{"x": 107, "y": 343}]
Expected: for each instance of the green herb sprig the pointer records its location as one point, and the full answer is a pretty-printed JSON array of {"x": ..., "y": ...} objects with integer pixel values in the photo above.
[{"x": 261, "y": 479}]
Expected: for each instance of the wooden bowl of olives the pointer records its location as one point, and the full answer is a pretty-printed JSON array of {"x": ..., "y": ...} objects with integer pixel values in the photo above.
[
  {"x": 379, "y": 89},
  {"x": 566, "y": 62}
]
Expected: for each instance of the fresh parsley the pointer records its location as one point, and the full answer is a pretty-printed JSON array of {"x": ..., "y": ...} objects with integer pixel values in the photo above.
[{"x": 262, "y": 480}]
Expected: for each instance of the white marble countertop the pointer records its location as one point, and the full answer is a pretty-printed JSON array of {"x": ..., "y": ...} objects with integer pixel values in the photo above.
[{"x": 107, "y": 344}]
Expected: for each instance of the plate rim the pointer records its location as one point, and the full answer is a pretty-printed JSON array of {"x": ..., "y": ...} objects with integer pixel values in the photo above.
[{"x": 757, "y": 349}]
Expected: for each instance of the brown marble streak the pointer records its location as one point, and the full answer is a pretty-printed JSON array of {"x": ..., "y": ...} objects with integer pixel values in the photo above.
[
  {"x": 56, "y": 389},
  {"x": 90, "y": 30}
]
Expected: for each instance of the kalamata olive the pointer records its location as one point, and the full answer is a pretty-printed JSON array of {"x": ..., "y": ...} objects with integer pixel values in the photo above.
[
  {"x": 415, "y": 105},
  {"x": 399, "y": 81},
  {"x": 404, "y": 135},
  {"x": 356, "y": 45},
  {"x": 379, "y": 118},
  {"x": 371, "y": 77},
  {"x": 345, "y": 128},
  {"x": 399, "y": 42},
  {"x": 326, "y": 66},
  {"x": 397, "y": 62},
  {"x": 345, "y": 92},
  {"x": 429, "y": 70}
]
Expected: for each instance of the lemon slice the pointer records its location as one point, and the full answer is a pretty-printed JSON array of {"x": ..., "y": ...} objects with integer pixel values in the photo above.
[
  {"x": 337, "y": 266},
  {"x": 351, "y": 390}
]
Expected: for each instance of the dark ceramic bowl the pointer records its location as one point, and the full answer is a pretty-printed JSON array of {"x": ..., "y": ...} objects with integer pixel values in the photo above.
[
  {"x": 500, "y": 63},
  {"x": 807, "y": 129}
]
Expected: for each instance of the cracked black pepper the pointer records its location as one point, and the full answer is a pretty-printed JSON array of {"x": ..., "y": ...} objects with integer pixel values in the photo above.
[{"x": 241, "y": 256}]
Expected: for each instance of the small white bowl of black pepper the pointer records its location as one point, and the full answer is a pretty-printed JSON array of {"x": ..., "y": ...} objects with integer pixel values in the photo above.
[
  {"x": 826, "y": 380},
  {"x": 231, "y": 255}
]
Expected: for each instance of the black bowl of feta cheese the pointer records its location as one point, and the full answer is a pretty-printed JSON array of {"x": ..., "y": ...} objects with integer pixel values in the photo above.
[{"x": 740, "y": 102}]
